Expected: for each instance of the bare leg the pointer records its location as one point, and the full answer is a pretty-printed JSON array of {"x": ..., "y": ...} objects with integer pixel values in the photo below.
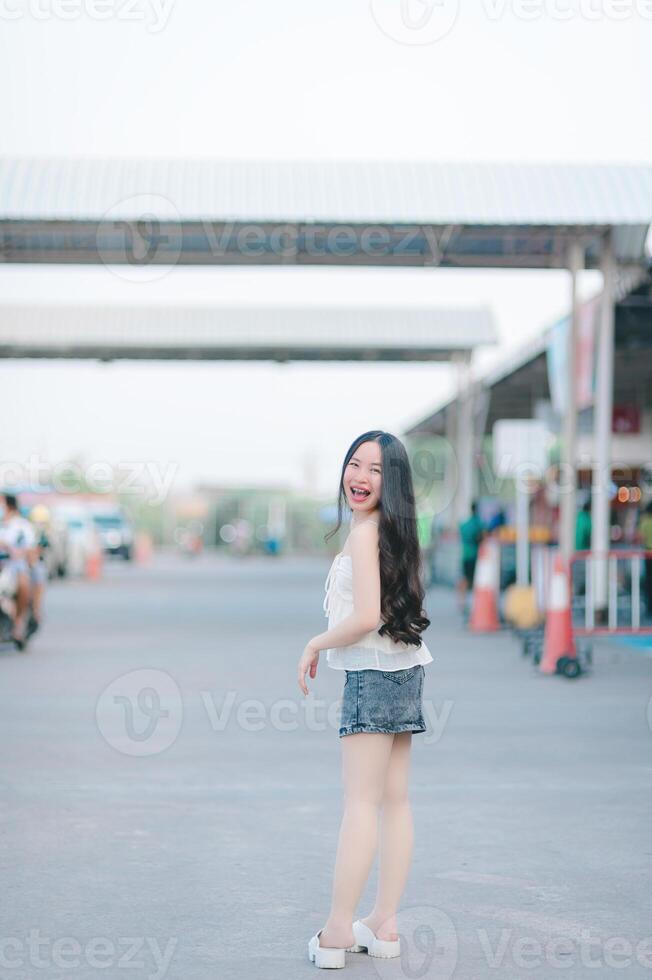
[
  {"x": 22, "y": 602},
  {"x": 365, "y": 757},
  {"x": 396, "y": 841},
  {"x": 461, "y": 593},
  {"x": 37, "y": 598}
]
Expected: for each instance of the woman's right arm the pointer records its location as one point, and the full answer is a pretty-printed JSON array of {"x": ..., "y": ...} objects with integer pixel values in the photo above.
[{"x": 366, "y": 592}]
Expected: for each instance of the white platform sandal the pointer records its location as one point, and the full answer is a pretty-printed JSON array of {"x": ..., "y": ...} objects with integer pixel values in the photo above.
[
  {"x": 326, "y": 957},
  {"x": 365, "y": 940}
]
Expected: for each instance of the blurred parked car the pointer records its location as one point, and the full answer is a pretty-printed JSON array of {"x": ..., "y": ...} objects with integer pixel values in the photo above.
[{"x": 115, "y": 531}]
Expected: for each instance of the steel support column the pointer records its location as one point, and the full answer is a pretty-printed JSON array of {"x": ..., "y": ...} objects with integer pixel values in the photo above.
[
  {"x": 464, "y": 443},
  {"x": 568, "y": 469},
  {"x": 602, "y": 424},
  {"x": 450, "y": 421}
]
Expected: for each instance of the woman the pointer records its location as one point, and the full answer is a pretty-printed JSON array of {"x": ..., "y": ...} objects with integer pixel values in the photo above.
[{"x": 374, "y": 597}]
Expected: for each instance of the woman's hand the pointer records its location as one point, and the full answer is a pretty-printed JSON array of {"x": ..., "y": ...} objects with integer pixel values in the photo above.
[{"x": 309, "y": 661}]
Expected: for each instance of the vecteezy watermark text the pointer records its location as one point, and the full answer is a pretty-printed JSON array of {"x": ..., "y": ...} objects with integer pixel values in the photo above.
[
  {"x": 419, "y": 22},
  {"x": 138, "y": 478},
  {"x": 153, "y": 13},
  {"x": 141, "y": 713},
  {"x": 41, "y": 952},
  {"x": 141, "y": 238}
]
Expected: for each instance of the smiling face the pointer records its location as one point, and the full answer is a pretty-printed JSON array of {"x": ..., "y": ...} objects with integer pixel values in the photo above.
[{"x": 364, "y": 473}]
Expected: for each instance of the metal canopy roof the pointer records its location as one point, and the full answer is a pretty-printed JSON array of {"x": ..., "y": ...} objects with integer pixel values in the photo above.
[
  {"x": 278, "y": 334},
  {"x": 339, "y": 212},
  {"x": 435, "y": 193},
  {"x": 515, "y": 385}
]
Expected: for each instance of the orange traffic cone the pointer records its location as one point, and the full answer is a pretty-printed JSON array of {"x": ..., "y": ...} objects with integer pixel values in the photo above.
[
  {"x": 558, "y": 639},
  {"x": 93, "y": 568},
  {"x": 486, "y": 581},
  {"x": 142, "y": 548}
]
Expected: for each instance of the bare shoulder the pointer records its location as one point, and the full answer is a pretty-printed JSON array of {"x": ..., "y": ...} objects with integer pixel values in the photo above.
[{"x": 363, "y": 540}]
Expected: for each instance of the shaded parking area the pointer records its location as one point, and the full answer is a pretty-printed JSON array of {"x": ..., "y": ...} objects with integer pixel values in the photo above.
[{"x": 171, "y": 802}]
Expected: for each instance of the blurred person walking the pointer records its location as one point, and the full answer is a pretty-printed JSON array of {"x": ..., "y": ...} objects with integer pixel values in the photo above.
[
  {"x": 583, "y": 525},
  {"x": 471, "y": 531},
  {"x": 40, "y": 518},
  {"x": 497, "y": 521},
  {"x": 17, "y": 537},
  {"x": 374, "y": 596}
]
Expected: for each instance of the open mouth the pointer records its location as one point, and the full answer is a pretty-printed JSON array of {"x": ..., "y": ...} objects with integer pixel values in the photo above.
[{"x": 359, "y": 494}]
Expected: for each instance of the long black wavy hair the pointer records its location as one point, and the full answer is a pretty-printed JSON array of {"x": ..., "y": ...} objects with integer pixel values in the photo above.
[{"x": 401, "y": 588}]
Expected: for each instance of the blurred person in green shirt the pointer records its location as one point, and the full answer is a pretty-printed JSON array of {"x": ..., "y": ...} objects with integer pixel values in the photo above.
[
  {"x": 583, "y": 528},
  {"x": 471, "y": 533},
  {"x": 582, "y": 543}
]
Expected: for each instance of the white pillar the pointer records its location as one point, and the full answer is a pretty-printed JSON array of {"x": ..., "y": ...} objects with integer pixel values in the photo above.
[
  {"x": 602, "y": 423},
  {"x": 522, "y": 529},
  {"x": 464, "y": 443},
  {"x": 568, "y": 474},
  {"x": 451, "y": 463}
]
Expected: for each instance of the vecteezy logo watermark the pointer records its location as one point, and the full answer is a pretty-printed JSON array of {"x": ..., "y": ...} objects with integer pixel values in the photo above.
[
  {"x": 140, "y": 713},
  {"x": 429, "y": 946},
  {"x": 99, "y": 953},
  {"x": 153, "y": 13},
  {"x": 415, "y": 21},
  {"x": 139, "y": 238}
]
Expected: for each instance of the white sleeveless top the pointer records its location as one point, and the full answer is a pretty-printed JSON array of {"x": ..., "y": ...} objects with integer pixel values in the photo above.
[{"x": 372, "y": 651}]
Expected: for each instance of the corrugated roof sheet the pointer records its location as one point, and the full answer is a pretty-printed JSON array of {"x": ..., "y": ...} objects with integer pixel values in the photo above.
[
  {"x": 334, "y": 191},
  {"x": 313, "y": 330}
]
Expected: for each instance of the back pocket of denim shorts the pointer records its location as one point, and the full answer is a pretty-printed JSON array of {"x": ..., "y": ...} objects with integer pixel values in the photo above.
[{"x": 400, "y": 676}]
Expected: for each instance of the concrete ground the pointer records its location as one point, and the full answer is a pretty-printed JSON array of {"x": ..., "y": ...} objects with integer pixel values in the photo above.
[{"x": 171, "y": 802}]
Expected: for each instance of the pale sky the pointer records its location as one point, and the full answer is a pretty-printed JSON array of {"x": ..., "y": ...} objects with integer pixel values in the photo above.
[{"x": 290, "y": 80}]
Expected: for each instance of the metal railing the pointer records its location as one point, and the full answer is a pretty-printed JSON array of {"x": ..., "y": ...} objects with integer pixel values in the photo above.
[{"x": 622, "y": 589}]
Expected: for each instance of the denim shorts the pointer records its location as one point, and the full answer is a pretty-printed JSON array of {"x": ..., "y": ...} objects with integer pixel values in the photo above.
[
  {"x": 38, "y": 573},
  {"x": 383, "y": 701}
]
